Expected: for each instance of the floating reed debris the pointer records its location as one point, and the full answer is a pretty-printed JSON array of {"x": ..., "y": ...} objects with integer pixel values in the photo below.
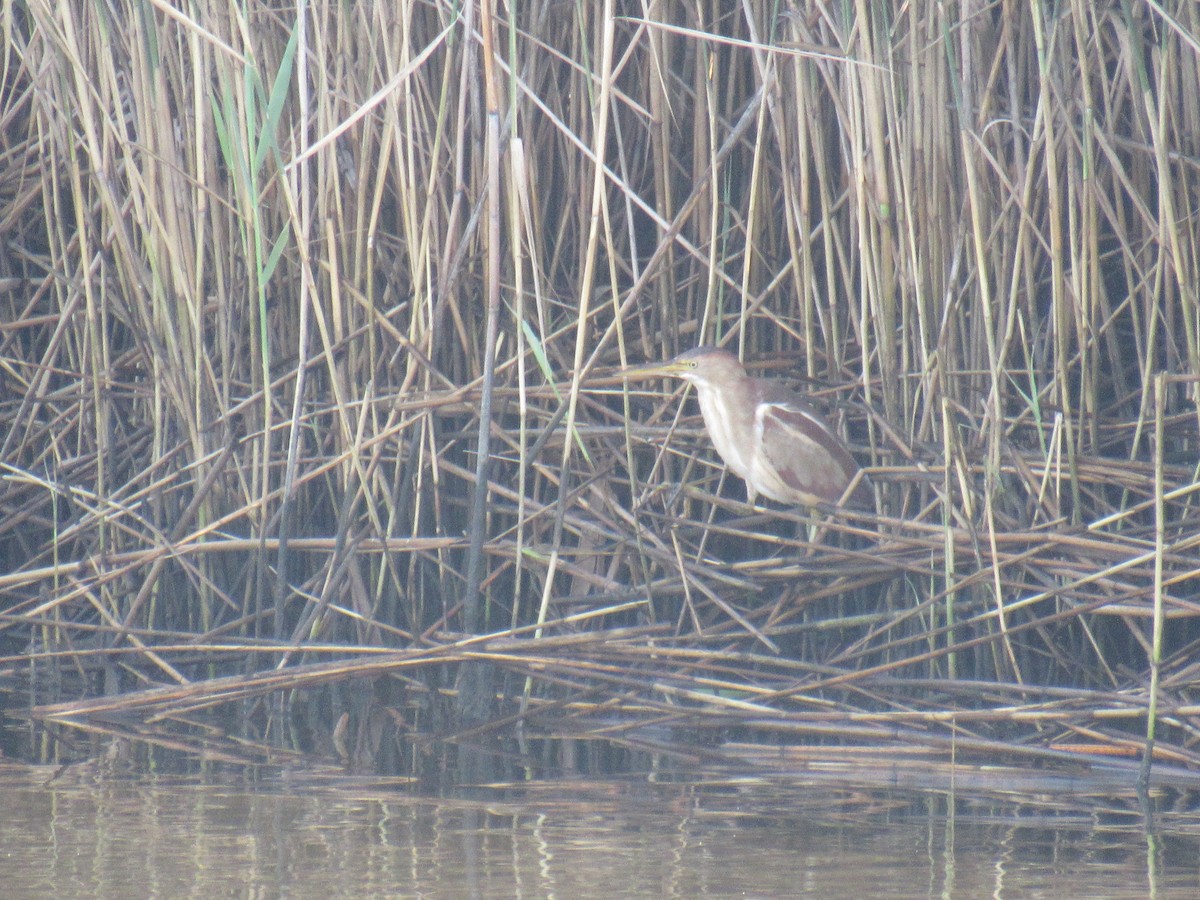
[{"x": 269, "y": 285}]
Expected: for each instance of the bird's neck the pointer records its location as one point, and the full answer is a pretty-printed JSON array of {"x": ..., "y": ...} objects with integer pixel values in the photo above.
[{"x": 725, "y": 422}]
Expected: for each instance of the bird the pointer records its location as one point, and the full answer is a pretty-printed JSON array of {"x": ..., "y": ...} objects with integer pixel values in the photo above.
[{"x": 765, "y": 432}]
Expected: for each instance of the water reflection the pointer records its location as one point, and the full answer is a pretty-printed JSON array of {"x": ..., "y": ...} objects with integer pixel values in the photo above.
[{"x": 300, "y": 837}]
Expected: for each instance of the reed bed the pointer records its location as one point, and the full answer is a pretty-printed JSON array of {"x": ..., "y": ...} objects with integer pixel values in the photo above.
[{"x": 312, "y": 318}]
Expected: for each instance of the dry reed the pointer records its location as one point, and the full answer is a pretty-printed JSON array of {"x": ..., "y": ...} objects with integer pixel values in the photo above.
[{"x": 269, "y": 285}]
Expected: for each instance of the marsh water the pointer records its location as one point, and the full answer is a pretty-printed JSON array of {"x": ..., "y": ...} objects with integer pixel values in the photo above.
[{"x": 302, "y": 835}]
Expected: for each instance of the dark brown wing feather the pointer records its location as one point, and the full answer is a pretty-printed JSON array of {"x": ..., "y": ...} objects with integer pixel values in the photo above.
[{"x": 806, "y": 454}]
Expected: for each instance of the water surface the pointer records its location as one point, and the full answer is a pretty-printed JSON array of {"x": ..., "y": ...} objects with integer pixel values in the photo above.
[{"x": 303, "y": 836}]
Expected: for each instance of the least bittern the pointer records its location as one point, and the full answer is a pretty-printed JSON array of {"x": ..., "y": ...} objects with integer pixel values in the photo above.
[{"x": 765, "y": 432}]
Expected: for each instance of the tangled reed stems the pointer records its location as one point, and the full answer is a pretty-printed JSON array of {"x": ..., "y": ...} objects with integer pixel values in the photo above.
[{"x": 270, "y": 284}]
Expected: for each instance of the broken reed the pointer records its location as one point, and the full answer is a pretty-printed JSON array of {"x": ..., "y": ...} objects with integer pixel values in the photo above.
[{"x": 244, "y": 326}]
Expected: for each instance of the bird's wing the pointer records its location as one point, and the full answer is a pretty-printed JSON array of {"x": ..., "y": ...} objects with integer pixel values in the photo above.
[{"x": 802, "y": 449}]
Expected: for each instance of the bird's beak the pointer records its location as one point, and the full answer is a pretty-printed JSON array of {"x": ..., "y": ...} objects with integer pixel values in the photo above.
[{"x": 652, "y": 370}]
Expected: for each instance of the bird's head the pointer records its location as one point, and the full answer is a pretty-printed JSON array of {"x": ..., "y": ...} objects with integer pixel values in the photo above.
[{"x": 704, "y": 367}]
